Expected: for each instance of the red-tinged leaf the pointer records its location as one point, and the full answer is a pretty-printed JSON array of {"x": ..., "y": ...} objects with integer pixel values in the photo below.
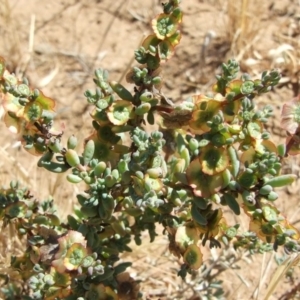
[
  {"x": 193, "y": 257},
  {"x": 164, "y": 26},
  {"x": 74, "y": 256},
  {"x": 290, "y": 115},
  {"x": 185, "y": 236},
  {"x": 248, "y": 156},
  {"x": 100, "y": 116},
  {"x": 230, "y": 110},
  {"x": 234, "y": 86},
  {"x": 150, "y": 40},
  {"x": 295, "y": 148},
  {"x": 45, "y": 102},
  {"x": 175, "y": 38},
  {"x": 213, "y": 160},
  {"x": 165, "y": 50},
  {"x": 206, "y": 111},
  {"x": 267, "y": 145},
  {"x": 203, "y": 184},
  {"x": 177, "y": 15},
  {"x": 119, "y": 112}
]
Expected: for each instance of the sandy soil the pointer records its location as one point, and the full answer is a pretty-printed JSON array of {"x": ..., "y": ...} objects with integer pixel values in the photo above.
[{"x": 58, "y": 44}]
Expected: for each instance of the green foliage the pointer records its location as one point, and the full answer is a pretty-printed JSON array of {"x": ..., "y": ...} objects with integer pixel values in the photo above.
[{"x": 209, "y": 153}]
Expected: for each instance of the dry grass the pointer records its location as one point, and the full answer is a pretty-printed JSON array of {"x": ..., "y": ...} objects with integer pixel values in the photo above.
[
  {"x": 243, "y": 26},
  {"x": 58, "y": 45}
]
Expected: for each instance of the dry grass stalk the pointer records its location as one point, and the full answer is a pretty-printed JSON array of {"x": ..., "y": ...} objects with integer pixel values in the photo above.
[
  {"x": 243, "y": 26},
  {"x": 280, "y": 272}
]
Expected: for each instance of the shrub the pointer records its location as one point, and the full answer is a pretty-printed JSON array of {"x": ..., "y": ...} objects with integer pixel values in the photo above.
[{"x": 208, "y": 153}]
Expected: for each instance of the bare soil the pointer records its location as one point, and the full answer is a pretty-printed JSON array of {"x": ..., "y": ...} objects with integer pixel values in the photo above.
[{"x": 58, "y": 44}]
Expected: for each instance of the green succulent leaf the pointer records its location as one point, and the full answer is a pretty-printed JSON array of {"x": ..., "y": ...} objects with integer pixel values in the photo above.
[
  {"x": 232, "y": 203},
  {"x": 247, "y": 87}
]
